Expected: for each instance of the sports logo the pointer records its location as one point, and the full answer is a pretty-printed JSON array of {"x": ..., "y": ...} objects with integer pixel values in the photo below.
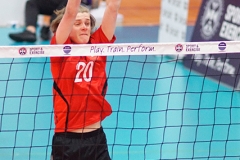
[
  {"x": 22, "y": 51},
  {"x": 210, "y": 19},
  {"x": 222, "y": 46},
  {"x": 179, "y": 48},
  {"x": 67, "y": 49}
]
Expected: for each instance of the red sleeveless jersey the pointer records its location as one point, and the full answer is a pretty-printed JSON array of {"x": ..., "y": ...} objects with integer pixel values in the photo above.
[{"x": 79, "y": 88}]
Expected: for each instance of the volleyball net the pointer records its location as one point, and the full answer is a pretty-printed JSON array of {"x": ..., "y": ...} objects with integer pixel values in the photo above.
[{"x": 163, "y": 106}]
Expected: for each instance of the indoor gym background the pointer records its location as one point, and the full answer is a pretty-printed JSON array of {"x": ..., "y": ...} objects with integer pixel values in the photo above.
[{"x": 175, "y": 125}]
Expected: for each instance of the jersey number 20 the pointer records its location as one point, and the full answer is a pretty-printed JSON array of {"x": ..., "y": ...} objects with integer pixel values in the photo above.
[{"x": 85, "y": 71}]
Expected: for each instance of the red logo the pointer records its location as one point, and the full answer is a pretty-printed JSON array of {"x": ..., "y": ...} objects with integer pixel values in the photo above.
[
  {"x": 179, "y": 48},
  {"x": 22, "y": 51}
]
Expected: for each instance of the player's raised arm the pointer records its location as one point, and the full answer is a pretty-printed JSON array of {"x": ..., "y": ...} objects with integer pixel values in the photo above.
[
  {"x": 110, "y": 18},
  {"x": 68, "y": 19}
]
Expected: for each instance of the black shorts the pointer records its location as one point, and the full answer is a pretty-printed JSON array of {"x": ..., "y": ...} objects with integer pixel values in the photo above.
[{"x": 80, "y": 146}]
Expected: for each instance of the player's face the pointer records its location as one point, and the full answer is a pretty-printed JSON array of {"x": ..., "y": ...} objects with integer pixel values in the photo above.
[{"x": 81, "y": 30}]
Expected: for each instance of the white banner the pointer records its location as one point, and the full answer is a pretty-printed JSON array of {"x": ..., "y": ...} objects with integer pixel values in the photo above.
[{"x": 116, "y": 49}]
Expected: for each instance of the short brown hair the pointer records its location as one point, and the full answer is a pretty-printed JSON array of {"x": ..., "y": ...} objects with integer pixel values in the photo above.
[{"x": 60, "y": 13}]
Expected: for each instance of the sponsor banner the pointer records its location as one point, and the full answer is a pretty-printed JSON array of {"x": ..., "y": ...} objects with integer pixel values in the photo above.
[
  {"x": 83, "y": 50},
  {"x": 184, "y": 48},
  {"x": 218, "y": 20}
]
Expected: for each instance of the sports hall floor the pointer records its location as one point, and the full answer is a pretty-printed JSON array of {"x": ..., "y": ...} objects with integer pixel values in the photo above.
[{"x": 166, "y": 114}]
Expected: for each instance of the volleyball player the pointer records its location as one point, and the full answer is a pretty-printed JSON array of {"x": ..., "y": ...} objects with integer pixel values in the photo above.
[{"x": 80, "y": 84}]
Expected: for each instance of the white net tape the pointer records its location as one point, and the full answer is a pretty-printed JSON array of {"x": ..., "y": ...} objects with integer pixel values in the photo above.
[{"x": 120, "y": 49}]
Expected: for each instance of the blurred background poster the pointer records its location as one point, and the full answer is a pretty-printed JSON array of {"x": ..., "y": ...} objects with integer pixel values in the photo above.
[
  {"x": 218, "y": 20},
  {"x": 173, "y": 20}
]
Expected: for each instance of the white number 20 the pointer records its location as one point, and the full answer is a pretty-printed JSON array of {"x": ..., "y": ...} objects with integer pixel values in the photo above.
[{"x": 86, "y": 70}]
